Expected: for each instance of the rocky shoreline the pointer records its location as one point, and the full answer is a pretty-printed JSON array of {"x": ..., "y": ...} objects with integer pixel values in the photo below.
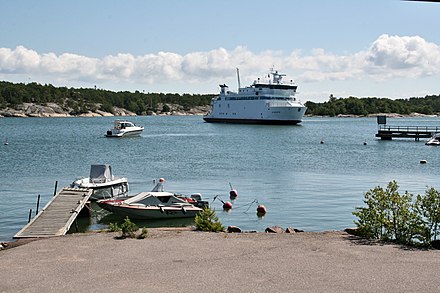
[{"x": 55, "y": 110}]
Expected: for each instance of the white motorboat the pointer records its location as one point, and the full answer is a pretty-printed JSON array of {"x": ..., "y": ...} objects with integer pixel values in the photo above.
[
  {"x": 266, "y": 101},
  {"x": 123, "y": 128},
  {"x": 434, "y": 140},
  {"x": 155, "y": 204},
  {"x": 103, "y": 183}
]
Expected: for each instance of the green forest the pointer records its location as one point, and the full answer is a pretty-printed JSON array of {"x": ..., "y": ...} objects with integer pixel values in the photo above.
[
  {"x": 355, "y": 106},
  {"x": 83, "y": 100}
]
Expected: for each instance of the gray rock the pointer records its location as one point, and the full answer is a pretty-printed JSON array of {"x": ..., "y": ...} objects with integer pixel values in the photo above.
[
  {"x": 274, "y": 229},
  {"x": 234, "y": 229},
  {"x": 352, "y": 231},
  {"x": 290, "y": 230}
]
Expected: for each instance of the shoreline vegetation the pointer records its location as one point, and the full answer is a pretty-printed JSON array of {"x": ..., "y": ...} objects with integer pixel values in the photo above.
[{"x": 36, "y": 100}]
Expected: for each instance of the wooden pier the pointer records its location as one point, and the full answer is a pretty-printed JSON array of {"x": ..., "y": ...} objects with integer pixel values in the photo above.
[
  {"x": 387, "y": 132},
  {"x": 58, "y": 215}
]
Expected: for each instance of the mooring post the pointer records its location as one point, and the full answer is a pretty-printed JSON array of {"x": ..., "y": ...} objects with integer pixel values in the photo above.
[
  {"x": 38, "y": 204},
  {"x": 55, "y": 190},
  {"x": 30, "y": 215}
]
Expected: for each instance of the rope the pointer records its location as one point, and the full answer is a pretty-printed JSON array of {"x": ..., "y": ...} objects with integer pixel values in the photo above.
[{"x": 249, "y": 205}]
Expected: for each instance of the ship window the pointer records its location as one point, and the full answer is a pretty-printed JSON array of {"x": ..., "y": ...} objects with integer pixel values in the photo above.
[{"x": 228, "y": 106}]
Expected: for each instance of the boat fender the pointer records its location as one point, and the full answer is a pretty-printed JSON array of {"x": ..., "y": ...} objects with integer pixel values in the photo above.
[
  {"x": 261, "y": 210},
  {"x": 184, "y": 210},
  {"x": 227, "y": 205},
  {"x": 161, "y": 210},
  {"x": 423, "y": 161}
]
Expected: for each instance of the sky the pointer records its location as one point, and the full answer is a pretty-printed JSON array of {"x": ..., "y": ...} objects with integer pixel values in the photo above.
[{"x": 361, "y": 48}]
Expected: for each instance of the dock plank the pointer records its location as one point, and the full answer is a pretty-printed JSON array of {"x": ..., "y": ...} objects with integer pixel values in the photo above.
[{"x": 58, "y": 215}]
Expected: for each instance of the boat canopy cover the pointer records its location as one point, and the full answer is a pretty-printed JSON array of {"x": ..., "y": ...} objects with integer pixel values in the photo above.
[
  {"x": 153, "y": 199},
  {"x": 101, "y": 173}
]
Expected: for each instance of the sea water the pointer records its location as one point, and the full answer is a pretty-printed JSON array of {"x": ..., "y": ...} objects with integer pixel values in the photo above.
[{"x": 302, "y": 182}]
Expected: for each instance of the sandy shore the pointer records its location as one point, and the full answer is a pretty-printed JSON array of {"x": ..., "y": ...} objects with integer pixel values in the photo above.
[{"x": 176, "y": 261}]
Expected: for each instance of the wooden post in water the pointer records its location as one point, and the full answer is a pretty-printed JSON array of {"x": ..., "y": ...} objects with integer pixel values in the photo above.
[
  {"x": 30, "y": 215},
  {"x": 55, "y": 190},
  {"x": 38, "y": 204}
]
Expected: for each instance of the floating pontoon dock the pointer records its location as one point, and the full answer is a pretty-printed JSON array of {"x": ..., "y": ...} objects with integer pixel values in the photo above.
[
  {"x": 58, "y": 215},
  {"x": 388, "y": 132}
]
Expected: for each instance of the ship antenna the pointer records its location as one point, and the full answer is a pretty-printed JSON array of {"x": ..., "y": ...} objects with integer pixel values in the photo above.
[{"x": 238, "y": 77}]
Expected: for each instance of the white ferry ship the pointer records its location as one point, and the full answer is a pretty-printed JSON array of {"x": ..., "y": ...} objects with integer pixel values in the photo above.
[{"x": 267, "y": 101}]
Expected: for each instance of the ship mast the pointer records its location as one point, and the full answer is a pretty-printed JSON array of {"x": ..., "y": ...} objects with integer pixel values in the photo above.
[{"x": 238, "y": 77}]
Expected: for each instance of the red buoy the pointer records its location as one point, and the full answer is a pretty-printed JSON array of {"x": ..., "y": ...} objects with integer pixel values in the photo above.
[
  {"x": 261, "y": 210},
  {"x": 233, "y": 194},
  {"x": 227, "y": 205}
]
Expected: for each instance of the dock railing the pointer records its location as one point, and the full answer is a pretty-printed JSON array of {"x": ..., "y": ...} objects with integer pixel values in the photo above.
[
  {"x": 430, "y": 129},
  {"x": 387, "y": 132}
]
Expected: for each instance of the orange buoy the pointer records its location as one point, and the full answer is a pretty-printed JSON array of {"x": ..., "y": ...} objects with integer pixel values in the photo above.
[
  {"x": 261, "y": 210},
  {"x": 233, "y": 194},
  {"x": 227, "y": 205}
]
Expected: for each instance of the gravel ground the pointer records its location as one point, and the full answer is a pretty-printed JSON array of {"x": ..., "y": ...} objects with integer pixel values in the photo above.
[{"x": 182, "y": 260}]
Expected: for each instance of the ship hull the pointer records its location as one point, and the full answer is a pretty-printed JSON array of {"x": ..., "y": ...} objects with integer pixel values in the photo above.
[{"x": 252, "y": 121}]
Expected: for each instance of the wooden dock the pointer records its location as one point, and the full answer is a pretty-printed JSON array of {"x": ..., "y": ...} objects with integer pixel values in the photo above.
[
  {"x": 58, "y": 215},
  {"x": 387, "y": 132}
]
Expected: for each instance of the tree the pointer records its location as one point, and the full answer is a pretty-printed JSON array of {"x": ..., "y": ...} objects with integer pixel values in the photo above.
[
  {"x": 207, "y": 220},
  {"x": 429, "y": 208}
]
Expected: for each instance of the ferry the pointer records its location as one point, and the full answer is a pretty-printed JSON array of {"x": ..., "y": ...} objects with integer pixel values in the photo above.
[{"x": 266, "y": 101}]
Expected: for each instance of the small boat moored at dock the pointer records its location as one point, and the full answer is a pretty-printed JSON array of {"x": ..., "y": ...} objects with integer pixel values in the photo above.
[
  {"x": 103, "y": 183},
  {"x": 155, "y": 204},
  {"x": 124, "y": 128},
  {"x": 434, "y": 140}
]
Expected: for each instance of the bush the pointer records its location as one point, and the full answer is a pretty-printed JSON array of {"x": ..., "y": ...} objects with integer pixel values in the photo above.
[
  {"x": 114, "y": 227},
  {"x": 389, "y": 215},
  {"x": 207, "y": 220},
  {"x": 428, "y": 206},
  {"x": 144, "y": 234},
  {"x": 129, "y": 229}
]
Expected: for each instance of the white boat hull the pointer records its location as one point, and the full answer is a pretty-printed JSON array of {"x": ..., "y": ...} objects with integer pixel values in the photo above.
[
  {"x": 257, "y": 113},
  {"x": 114, "y": 188},
  {"x": 124, "y": 133},
  {"x": 270, "y": 102}
]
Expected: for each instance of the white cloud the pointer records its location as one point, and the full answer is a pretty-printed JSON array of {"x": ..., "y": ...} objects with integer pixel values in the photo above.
[
  {"x": 388, "y": 57},
  {"x": 391, "y": 56}
]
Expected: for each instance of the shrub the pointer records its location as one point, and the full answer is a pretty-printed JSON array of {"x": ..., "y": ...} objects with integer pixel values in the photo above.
[
  {"x": 128, "y": 229},
  {"x": 114, "y": 227},
  {"x": 389, "y": 215},
  {"x": 428, "y": 206},
  {"x": 207, "y": 220},
  {"x": 144, "y": 234}
]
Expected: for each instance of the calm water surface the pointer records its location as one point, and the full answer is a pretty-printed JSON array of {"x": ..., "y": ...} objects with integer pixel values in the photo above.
[{"x": 302, "y": 183}]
